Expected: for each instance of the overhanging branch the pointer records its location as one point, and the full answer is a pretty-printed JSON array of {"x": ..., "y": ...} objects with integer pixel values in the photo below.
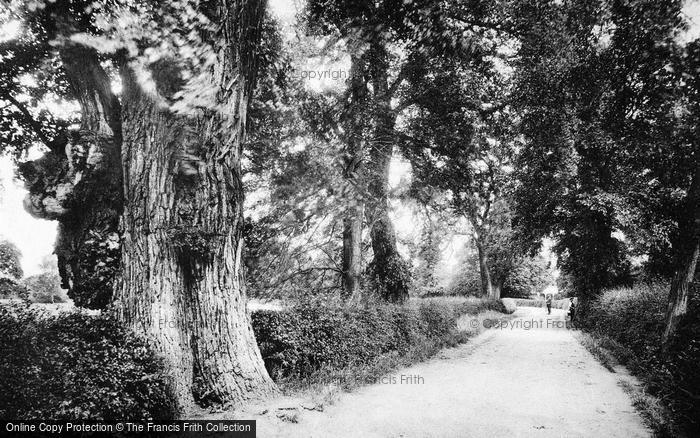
[{"x": 55, "y": 145}]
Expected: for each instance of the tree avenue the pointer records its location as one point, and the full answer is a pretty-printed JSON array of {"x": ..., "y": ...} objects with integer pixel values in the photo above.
[{"x": 189, "y": 160}]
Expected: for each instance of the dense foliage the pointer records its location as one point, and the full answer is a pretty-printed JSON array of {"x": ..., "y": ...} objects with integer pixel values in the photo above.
[
  {"x": 10, "y": 271},
  {"x": 76, "y": 366},
  {"x": 9, "y": 260},
  {"x": 45, "y": 288},
  {"x": 633, "y": 319},
  {"x": 605, "y": 106},
  {"x": 523, "y": 277}
]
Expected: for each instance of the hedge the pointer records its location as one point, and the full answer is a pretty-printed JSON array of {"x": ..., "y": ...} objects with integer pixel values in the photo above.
[
  {"x": 310, "y": 336},
  {"x": 76, "y": 366},
  {"x": 633, "y": 319}
]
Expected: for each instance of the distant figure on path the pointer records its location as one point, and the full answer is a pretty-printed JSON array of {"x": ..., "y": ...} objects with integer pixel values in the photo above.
[
  {"x": 549, "y": 304},
  {"x": 572, "y": 310}
]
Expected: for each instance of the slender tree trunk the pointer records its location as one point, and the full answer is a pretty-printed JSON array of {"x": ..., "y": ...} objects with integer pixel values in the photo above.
[
  {"x": 487, "y": 289},
  {"x": 352, "y": 253},
  {"x": 181, "y": 256},
  {"x": 78, "y": 182},
  {"x": 354, "y": 176},
  {"x": 686, "y": 260},
  {"x": 389, "y": 267},
  {"x": 678, "y": 296},
  {"x": 496, "y": 288}
]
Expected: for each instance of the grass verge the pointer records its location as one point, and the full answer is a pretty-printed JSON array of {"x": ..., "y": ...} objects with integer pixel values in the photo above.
[{"x": 612, "y": 355}]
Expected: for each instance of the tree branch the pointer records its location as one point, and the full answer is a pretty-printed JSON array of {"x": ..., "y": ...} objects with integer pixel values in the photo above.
[
  {"x": 36, "y": 126},
  {"x": 56, "y": 145},
  {"x": 403, "y": 105},
  {"x": 403, "y": 72}
]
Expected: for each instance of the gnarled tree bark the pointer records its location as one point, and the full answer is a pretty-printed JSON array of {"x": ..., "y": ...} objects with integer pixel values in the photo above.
[
  {"x": 182, "y": 282},
  {"x": 78, "y": 182}
]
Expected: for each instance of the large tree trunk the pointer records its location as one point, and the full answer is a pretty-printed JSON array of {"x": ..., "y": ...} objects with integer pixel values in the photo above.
[
  {"x": 686, "y": 261},
  {"x": 78, "y": 182},
  {"x": 390, "y": 270},
  {"x": 354, "y": 176},
  {"x": 182, "y": 282},
  {"x": 152, "y": 296}
]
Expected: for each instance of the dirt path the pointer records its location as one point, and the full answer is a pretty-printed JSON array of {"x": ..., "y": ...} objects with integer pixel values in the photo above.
[{"x": 512, "y": 381}]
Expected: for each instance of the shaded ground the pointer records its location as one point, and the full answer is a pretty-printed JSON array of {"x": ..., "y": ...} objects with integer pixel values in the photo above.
[{"x": 527, "y": 378}]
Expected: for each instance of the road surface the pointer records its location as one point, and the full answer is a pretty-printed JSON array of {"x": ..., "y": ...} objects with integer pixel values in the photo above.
[{"x": 527, "y": 377}]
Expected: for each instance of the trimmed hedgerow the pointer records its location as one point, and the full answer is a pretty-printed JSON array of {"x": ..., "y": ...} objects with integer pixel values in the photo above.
[
  {"x": 472, "y": 306},
  {"x": 631, "y": 321},
  {"x": 76, "y": 366},
  {"x": 315, "y": 335}
]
